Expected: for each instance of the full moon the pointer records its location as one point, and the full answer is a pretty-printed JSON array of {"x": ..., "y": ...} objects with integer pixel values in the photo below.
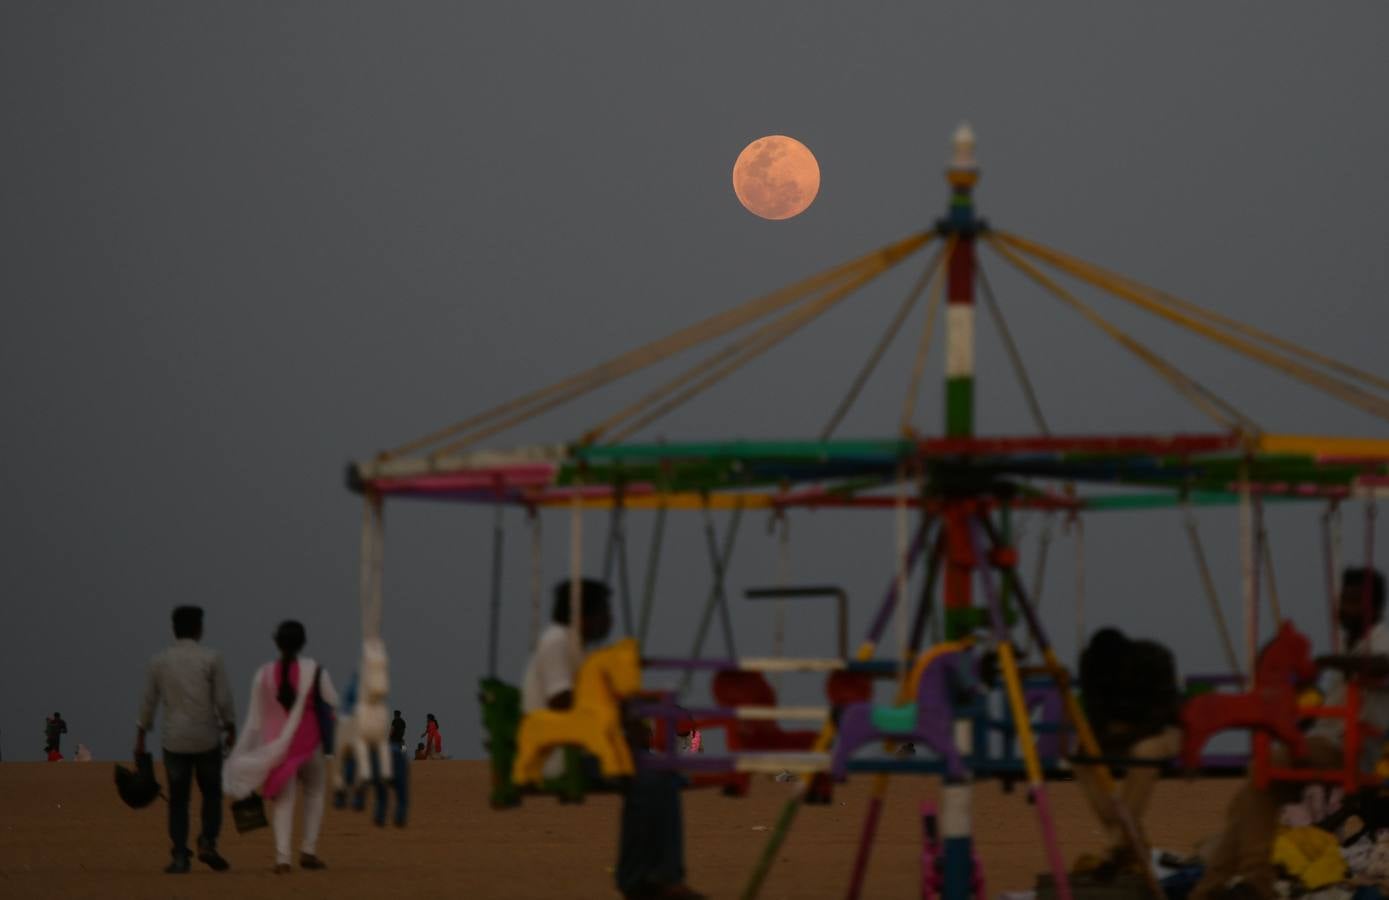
[{"x": 776, "y": 177}]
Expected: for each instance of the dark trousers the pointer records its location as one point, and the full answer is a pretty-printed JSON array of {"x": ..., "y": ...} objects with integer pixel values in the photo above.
[
  {"x": 181, "y": 769},
  {"x": 652, "y": 850}
]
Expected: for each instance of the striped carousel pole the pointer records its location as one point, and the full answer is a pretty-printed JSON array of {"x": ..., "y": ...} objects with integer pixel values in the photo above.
[
  {"x": 960, "y": 617},
  {"x": 957, "y": 829}
]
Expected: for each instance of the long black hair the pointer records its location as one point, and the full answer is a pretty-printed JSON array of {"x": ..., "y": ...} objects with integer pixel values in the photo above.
[{"x": 290, "y": 638}]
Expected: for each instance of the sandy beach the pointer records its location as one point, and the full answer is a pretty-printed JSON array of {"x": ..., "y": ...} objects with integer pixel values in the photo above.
[{"x": 64, "y": 833}]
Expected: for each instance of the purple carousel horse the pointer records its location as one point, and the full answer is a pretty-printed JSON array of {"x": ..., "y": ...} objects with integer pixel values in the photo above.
[{"x": 946, "y": 675}]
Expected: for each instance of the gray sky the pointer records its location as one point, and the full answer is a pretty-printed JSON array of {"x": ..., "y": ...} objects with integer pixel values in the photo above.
[{"x": 242, "y": 244}]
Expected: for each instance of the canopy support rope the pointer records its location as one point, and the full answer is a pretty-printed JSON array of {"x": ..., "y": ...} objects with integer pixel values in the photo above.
[
  {"x": 900, "y": 547},
  {"x": 1256, "y": 571},
  {"x": 717, "y": 600},
  {"x": 653, "y": 563},
  {"x": 882, "y": 616},
  {"x": 925, "y": 609},
  {"x": 615, "y": 555},
  {"x": 1234, "y": 325},
  {"x": 1014, "y": 356},
  {"x": 1197, "y": 394},
  {"x": 783, "y": 580},
  {"x": 1144, "y": 298},
  {"x": 576, "y": 571},
  {"x": 1247, "y": 571},
  {"x": 727, "y": 359},
  {"x": 495, "y": 607},
  {"x": 537, "y": 574},
  {"x": 733, "y": 357},
  {"x": 1367, "y": 584},
  {"x": 720, "y": 568},
  {"x": 1208, "y": 583},
  {"x": 1078, "y": 526},
  {"x": 884, "y": 342},
  {"x": 928, "y": 330},
  {"x": 538, "y": 401},
  {"x": 1266, "y": 559},
  {"x": 372, "y": 552},
  {"x": 1039, "y": 571},
  {"x": 1331, "y": 559}
]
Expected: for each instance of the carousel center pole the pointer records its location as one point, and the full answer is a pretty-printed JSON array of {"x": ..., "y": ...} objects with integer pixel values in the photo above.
[
  {"x": 963, "y": 173},
  {"x": 960, "y": 616}
]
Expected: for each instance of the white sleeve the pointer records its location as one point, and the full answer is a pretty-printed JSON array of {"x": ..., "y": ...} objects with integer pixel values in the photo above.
[
  {"x": 250, "y": 731},
  {"x": 552, "y": 668},
  {"x": 1379, "y": 640},
  {"x": 326, "y": 691},
  {"x": 239, "y": 776}
]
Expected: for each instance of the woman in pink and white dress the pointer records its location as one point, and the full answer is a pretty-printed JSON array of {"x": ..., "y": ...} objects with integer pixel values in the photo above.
[{"x": 281, "y": 745}]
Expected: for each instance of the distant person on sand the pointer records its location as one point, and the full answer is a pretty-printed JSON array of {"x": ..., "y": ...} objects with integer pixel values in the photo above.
[
  {"x": 1133, "y": 702},
  {"x": 420, "y": 752},
  {"x": 53, "y": 731},
  {"x": 83, "y": 754},
  {"x": 188, "y": 682},
  {"x": 398, "y": 731},
  {"x": 281, "y": 746},
  {"x": 1241, "y": 866},
  {"x": 433, "y": 741},
  {"x": 651, "y": 860}
]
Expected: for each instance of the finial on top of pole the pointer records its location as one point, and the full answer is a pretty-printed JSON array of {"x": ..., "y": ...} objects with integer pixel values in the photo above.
[{"x": 964, "y": 149}]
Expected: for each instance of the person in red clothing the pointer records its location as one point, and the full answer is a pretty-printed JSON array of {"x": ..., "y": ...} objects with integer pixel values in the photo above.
[
  {"x": 53, "y": 731},
  {"x": 433, "y": 742}
]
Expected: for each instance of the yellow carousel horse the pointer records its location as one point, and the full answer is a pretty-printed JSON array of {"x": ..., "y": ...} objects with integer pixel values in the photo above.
[{"x": 593, "y": 723}]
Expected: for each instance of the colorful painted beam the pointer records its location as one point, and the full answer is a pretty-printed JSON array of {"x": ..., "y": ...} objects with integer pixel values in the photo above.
[
  {"x": 856, "y": 474},
  {"x": 1123, "y": 445},
  {"x": 771, "y": 664},
  {"x": 889, "y": 450},
  {"x": 638, "y": 462},
  {"x": 1325, "y": 447}
]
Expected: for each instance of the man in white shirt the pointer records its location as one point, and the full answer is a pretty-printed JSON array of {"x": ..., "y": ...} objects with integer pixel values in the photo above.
[
  {"x": 651, "y": 862},
  {"x": 1241, "y": 868},
  {"x": 188, "y": 682},
  {"x": 549, "y": 678}
]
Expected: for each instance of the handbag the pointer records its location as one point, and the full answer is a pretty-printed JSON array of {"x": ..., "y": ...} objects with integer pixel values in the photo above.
[
  {"x": 138, "y": 788},
  {"x": 327, "y": 718},
  {"x": 248, "y": 814}
]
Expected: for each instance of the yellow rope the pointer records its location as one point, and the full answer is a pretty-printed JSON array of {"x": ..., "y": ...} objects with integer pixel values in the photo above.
[
  {"x": 1235, "y": 325},
  {"x": 877, "y": 355},
  {"x": 742, "y": 350},
  {"x": 653, "y": 352},
  {"x": 1199, "y": 396},
  {"x": 1014, "y": 355},
  {"x": 928, "y": 331},
  {"x": 1143, "y": 298},
  {"x": 570, "y": 394},
  {"x": 764, "y": 340}
]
